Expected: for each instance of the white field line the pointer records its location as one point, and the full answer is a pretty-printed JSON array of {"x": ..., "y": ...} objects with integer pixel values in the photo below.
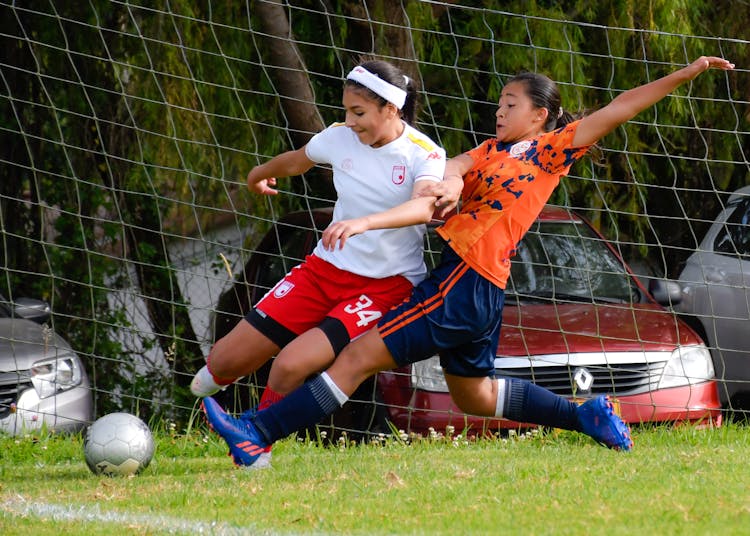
[{"x": 21, "y": 507}]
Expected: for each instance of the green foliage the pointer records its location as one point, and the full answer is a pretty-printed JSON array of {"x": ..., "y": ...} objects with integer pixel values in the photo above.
[{"x": 125, "y": 127}]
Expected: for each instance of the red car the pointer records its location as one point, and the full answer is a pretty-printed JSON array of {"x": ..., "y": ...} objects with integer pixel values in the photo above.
[{"x": 576, "y": 321}]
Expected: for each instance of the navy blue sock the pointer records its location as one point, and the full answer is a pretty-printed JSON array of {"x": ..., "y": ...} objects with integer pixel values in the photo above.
[
  {"x": 303, "y": 407},
  {"x": 527, "y": 402}
]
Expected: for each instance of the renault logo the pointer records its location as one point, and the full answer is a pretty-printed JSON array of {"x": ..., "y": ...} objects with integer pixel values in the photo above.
[{"x": 583, "y": 379}]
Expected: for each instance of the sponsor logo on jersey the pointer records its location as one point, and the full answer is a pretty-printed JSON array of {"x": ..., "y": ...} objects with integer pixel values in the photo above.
[
  {"x": 347, "y": 164},
  {"x": 519, "y": 148},
  {"x": 282, "y": 289},
  {"x": 398, "y": 174},
  {"x": 434, "y": 155}
]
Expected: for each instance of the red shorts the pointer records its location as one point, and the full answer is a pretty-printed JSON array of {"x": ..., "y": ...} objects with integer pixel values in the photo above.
[{"x": 316, "y": 290}]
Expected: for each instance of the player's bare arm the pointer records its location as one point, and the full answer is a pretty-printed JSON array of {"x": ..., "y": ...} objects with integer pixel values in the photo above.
[
  {"x": 415, "y": 211},
  {"x": 262, "y": 178},
  {"x": 630, "y": 103}
]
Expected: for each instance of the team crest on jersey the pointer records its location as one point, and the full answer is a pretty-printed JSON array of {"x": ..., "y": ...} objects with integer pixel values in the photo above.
[
  {"x": 282, "y": 289},
  {"x": 519, "y": 148},
  {"x": 398, "y": 174}
]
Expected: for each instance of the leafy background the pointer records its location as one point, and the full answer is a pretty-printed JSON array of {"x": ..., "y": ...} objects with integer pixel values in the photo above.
[{"x": 128, "y": 125}]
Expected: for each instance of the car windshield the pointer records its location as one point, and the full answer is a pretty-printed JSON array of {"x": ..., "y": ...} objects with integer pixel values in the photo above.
[
  {"x": 567, "y": 261},
  {"x": 734, "y": 238}
]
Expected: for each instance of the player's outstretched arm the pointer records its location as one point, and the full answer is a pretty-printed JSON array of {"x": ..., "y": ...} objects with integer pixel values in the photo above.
[
  {"x": 262, "y": 178},
  {"x": 418, "y": 210},
  {"x": 630, "y": 103}
]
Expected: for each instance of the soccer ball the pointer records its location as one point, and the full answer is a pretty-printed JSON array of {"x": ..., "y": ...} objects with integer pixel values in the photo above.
[{"x": 118, "y": 444}]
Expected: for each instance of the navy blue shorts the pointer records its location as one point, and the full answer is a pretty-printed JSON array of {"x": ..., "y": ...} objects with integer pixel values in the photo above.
[{"x": 455, "y": 313}]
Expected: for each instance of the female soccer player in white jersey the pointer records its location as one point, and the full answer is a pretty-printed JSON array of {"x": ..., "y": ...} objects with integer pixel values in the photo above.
[{"x": 380, "y": 162}]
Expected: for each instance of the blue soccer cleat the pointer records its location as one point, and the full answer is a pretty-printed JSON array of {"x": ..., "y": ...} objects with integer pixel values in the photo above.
[
  {"x": 597, "y": 419},
  {"x": 246, "y": 445},
  {"x": 264, "y": 460}
]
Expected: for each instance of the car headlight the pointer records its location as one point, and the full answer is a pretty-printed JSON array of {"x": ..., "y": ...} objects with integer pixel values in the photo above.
[
  {"x": 51, "y": 376},
  {"x": 428, "y": 375},
  {"x": 687, "y": 365}
]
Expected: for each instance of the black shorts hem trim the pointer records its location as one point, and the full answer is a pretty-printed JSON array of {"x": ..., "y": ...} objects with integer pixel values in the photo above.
[
  {"x": 336, "y": 332},
  {"x": 280, "y": 335}
]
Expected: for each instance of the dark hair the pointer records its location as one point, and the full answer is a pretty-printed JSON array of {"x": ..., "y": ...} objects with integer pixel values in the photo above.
[
  {"x": 544, "y": 93},
  {"x": 394, "y": 76}
]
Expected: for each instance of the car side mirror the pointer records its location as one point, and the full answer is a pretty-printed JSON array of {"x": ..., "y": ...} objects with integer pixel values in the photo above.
[
  {"x": 665, "y": 292},
  {"x": 35, "y": 310}
]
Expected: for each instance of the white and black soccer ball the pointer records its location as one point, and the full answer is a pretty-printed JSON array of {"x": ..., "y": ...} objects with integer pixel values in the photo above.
[{"x": 118, "y": 444}]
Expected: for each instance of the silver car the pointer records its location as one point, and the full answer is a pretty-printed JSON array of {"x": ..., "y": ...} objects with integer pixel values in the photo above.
[
  {"x": 42, "y": 380},
  {"x": 716, "y": 297}
]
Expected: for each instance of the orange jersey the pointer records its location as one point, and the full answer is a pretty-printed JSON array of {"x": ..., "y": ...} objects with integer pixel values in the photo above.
[{"x": 504, "y": 192}]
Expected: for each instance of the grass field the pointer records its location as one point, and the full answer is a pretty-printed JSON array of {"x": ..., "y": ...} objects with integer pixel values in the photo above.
[{"x": 676, "y": 481}]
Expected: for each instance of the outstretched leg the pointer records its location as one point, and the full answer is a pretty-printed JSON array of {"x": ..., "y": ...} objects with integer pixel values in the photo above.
[
  {"x": 306, "y": 406},
  {"x": 526, "y": 402}
]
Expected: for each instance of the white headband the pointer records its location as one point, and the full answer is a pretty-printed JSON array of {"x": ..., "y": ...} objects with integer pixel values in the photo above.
[{"x": 389, "y": 92}]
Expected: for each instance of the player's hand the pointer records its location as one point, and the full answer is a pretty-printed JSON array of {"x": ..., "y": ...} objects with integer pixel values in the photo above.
[
  {"x": 261, "y": 186},
  {"x": 705, "y": 63},
  {"x": 340, "y": 231},
  {"x": 448, "y": 193}
]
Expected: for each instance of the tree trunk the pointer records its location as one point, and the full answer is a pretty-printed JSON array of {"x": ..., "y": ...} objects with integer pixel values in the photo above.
[
  {"x": 382, "y": 28},
  {"x": 288, "y": 72}
]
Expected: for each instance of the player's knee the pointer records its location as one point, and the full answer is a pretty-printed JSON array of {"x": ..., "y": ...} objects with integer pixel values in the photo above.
[
  {"x": 284, "y": 367},
  {"x": 474, "y": 396},
  {"x": 477, "y": 405},
  {"x": 357, "y": 361}
]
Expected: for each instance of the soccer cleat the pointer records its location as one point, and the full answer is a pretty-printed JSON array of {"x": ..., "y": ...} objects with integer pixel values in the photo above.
[
  {"x": 246, "y": 445},
  {"x": 203, "y": 383},
  {"x": 264, "y": 460},
  {"x": 597, "y": 419}
]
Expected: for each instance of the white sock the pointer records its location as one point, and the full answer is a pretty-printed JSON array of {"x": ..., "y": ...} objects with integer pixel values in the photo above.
[
  {"x": 500, "y": 404},
  {"x": 337, "y": 393}
]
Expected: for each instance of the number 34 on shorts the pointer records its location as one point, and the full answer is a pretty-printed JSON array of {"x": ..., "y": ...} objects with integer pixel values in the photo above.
[{"x": 360, "y": 308}]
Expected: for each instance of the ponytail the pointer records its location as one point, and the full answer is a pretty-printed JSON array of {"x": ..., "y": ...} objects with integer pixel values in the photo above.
[
  {"x": 409, "y": 110},
  {"x": 563, "y": 118}
]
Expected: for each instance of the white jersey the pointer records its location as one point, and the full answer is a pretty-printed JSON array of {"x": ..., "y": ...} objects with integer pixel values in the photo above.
[{"x": 370, "y": 180}]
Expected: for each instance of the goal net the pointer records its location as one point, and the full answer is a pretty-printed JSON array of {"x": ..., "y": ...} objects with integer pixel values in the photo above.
[{"x": 129, "y": 127}]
